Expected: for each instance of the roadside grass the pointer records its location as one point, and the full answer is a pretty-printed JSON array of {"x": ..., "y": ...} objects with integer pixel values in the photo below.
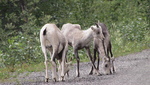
[
  {"x": 6, "y": 73},
  {"x": 129, "y": 48}
]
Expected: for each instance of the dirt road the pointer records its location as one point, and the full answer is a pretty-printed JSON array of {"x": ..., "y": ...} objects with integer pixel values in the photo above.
[{"x": 133, "y": 69}]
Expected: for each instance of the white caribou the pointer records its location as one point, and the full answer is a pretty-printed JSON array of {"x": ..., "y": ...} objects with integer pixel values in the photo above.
[
  {"x": 53, "y": 41},
  {"x": 80, "y": 39}
]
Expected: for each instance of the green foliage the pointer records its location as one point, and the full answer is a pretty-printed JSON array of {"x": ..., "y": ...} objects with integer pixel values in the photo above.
[{"x": 21, "y": 20}]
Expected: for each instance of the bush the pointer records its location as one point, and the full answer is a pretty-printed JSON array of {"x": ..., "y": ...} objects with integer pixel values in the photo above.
[{"x": 127, "y": 21}]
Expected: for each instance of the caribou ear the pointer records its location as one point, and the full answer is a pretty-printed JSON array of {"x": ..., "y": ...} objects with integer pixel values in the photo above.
[
  {"x": 92, "y": 28},
  {"x": 97, "y": 25}
]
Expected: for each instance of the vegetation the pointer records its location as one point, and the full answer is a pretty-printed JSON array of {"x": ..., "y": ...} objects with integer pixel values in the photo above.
[{"x": 21, "y": 21}]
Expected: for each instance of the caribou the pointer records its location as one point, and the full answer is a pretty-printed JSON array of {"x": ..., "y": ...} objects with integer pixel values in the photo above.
[
  {"x": 80, "y": 39},
  {"x": 104, "y": 48},
  {"x": 54, "y": 42}
]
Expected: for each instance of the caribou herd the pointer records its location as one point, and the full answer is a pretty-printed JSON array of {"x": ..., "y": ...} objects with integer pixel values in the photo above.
[{"x": 56, "y": 42}]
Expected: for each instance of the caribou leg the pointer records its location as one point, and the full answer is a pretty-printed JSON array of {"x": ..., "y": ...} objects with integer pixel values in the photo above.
[
  {"x": 93, "y": 65},
  {"x": 78, "y": 61},
  {"x": 91, "y": 72}
]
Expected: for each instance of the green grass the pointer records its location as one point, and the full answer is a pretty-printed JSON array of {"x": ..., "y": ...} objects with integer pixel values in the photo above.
[
  {"x": 6, "y": 73},
  {"x": 128, "y": 48}
]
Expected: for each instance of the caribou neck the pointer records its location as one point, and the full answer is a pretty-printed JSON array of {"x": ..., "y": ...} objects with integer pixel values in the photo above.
[{"x": 88, "y": 35}]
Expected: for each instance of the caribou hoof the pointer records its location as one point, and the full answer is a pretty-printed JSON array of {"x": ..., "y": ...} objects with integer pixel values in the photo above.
[
  {"x": 114, "y": 71},
  {"x": 46, "y": 79},
  {"x": 91, "y": 73},
  {"x": 62, "y": 78},
  {"x": 78, "y": 76},
  {"x": 99, "y": 74},
  {"x": 107, "y": 74},
  {"x": 54, "y": 79}
]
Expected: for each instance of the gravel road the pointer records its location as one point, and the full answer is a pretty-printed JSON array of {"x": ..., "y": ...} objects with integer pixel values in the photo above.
[{"x": 133, "y": 69}]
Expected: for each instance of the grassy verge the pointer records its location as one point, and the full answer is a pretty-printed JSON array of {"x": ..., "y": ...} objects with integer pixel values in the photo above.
[
  {"x": 129, "y": 48},
  {"x": 6, "y": 73}
]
